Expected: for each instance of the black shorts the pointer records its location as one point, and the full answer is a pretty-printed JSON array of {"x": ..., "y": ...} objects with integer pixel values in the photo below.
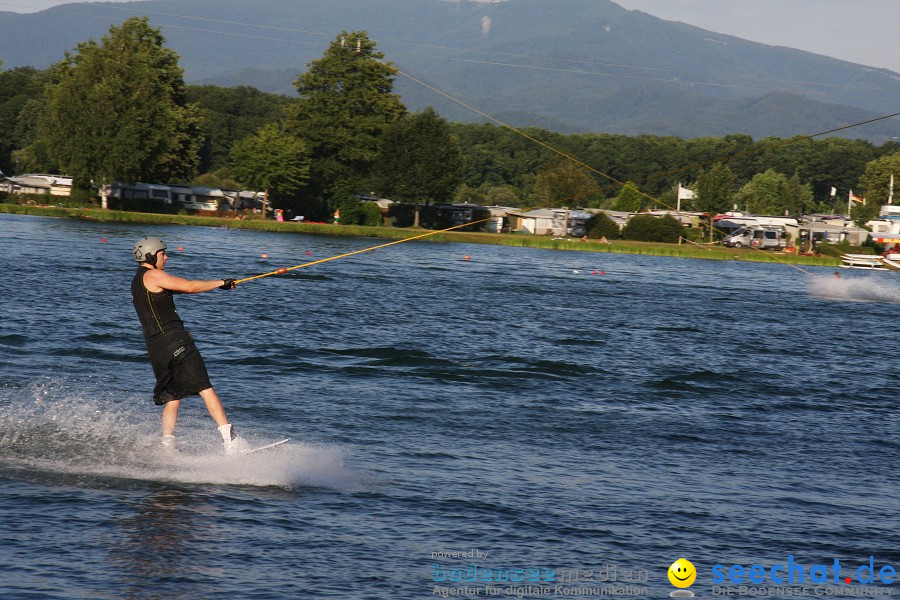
[{"x": 178, "y": 367}]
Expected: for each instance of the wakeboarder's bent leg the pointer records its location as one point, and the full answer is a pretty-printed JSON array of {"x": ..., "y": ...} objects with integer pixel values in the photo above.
[
  {"x": 233, "y": 443},
  {"x": 214, "y": 406}
]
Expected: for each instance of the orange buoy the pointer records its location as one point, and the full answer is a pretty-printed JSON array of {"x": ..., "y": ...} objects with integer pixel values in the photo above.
[
  {"x": 181, "y": 248},
  {"x": 264, "y": 255},
  {"x": 281, "y": 271},
  {"x": 102, "y": 240}
]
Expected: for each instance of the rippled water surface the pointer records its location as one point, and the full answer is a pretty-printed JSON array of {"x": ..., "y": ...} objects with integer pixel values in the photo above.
[{"x": 558, "y": 411}]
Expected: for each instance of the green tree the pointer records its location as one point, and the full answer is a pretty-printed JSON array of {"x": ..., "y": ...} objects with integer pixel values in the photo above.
[
  {"x": 863, "y": 213},
  {"x": 273, "y": 162},
  {"x": 20, "y": 92},
  {"x": 487, "y": 195},
  {"x": 714, "y": 192},
  {"x": 356, "y": 212},
  {"x": 765, "y": 194},
  {"x": 821, "y": 163},
  {"x": 600, "y": 225},
  {"x": 116, "y": 111},
  {"x": 648, "y": 228},
  {"x": 346, "y": 103},
  {"x": 418, "y": 161},
  {"x": 876, "y": 181},
  {"x": 500, "y": 195},
  {"x": 220, "y": 178},
  {"x": 562, "y": 182},
  {"x": 771, "y": 193},
  {"x": 32, "y": 153},
  {"x": 629, "y": 198},
  {"x": 799, "y": 197},
  {"x": 463, "y": 194},
  {"x": 231, "y": 114},
  {"x": 496, "y": 156}
]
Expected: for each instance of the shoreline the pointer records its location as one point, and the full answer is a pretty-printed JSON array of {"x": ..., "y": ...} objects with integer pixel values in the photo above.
[{"x": 499, "y": 239}]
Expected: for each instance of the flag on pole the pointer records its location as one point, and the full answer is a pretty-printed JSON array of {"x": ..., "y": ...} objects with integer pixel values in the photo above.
[
  {"x": 683, "y": 194},
  {"x": 851, "y": 199}
]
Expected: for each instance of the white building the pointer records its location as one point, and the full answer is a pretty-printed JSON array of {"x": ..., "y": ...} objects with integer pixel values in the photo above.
[
  {"x": 54, "y": 185},
  {"x": 550, "y": 221},
  {"x": 191, "y": 197}
]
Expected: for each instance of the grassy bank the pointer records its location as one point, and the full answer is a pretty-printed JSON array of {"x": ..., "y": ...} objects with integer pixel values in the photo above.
[{"x": 526, "y": 241}]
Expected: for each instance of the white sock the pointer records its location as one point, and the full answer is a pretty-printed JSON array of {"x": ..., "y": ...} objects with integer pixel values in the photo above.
[{"x": 227, "y": 432}]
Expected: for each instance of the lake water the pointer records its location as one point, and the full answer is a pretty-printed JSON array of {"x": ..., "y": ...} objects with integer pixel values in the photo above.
[{"x": 565, "y": 417}]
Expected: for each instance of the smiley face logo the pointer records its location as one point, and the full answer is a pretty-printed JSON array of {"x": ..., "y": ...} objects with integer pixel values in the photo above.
[{"x": 682, "y": 573}]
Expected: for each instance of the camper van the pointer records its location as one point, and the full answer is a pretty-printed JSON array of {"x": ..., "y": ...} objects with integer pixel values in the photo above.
[
  {"x": 139, "y": 191},
  {"x": 767, "y": 238},
  {"x": 196, "y": 197}
]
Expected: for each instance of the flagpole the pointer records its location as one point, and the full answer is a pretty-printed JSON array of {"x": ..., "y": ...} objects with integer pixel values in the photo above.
[
  {"x": 891, "y": 192},
  {"x": 849, "y": 200}
]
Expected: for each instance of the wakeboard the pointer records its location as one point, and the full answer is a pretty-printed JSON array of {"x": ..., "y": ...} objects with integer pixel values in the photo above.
[{"x": 266, "y": 447}]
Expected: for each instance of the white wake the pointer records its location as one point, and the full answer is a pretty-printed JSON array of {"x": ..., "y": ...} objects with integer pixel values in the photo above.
[
  {"x": 857, "y": 288},
  {"x": 49, "y": 429}
]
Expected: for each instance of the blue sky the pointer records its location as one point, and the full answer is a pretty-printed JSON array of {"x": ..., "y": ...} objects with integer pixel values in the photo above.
[{"x": 860, "y": 31}]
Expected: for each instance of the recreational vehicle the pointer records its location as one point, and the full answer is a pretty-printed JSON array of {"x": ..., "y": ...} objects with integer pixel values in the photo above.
[
  {"x": 139, "y": 191},
  {"x": 766, "y": 238},
  {"x": 191, "y": 197}
]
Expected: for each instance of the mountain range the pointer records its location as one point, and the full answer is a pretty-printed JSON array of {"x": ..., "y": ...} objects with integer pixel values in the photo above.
[{"x": 565, "y": 65}]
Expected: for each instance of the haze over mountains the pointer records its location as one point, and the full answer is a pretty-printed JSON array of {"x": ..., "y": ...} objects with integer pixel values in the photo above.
[{"x": 566, "y": 65}]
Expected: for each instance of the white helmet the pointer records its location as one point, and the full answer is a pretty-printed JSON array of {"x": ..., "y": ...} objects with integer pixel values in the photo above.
[{"x": 146, "y": 248}]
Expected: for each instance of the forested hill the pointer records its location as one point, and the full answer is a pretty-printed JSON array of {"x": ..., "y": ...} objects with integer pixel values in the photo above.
[{"x": 568, "y": 65}]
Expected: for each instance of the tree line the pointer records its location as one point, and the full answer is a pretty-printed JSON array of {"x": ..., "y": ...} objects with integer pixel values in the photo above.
[{"x": 119, "y": 110}]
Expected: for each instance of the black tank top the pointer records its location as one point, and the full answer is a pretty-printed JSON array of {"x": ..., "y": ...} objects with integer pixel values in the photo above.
[{"x": 156, "y": 310}]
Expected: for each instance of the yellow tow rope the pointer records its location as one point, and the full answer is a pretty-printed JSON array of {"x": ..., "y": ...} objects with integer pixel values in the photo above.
[{"x": 283, "y": 270}]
